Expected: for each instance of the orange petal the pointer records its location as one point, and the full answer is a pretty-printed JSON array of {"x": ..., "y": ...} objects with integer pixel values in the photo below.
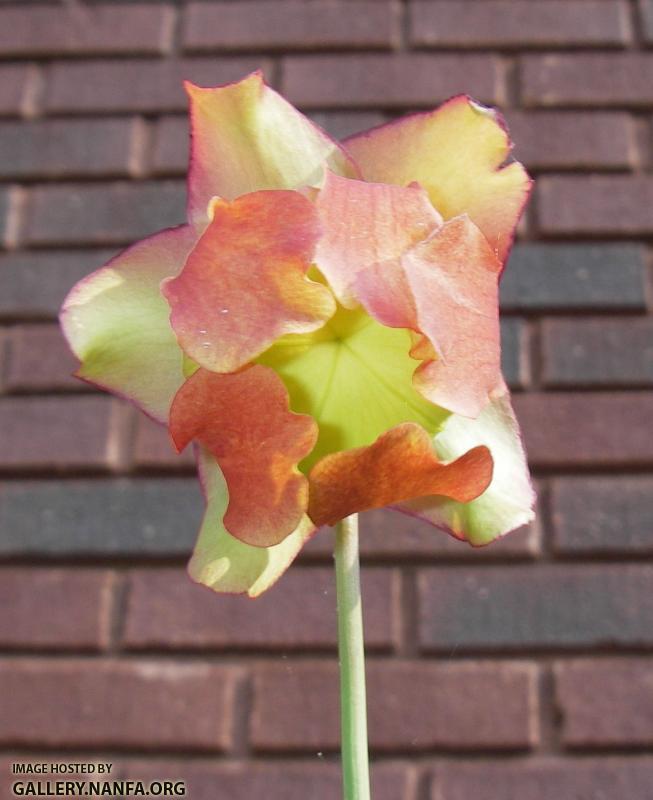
[
  {"x": 367, "y": 225},
  {"x": 508, "y": 501},
  {"x": 400, "y": 465},
  {"x": 457, "y": 153},
  {"x": 243, "y": 420},
  {"x": 453, "y": 277},
  {"x": 244, "y": 285}
]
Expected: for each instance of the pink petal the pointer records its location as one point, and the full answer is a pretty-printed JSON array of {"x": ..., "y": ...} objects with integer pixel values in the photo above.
[
  {"x": 367, "y": 225},
  {"x": 453, "y": 277}
]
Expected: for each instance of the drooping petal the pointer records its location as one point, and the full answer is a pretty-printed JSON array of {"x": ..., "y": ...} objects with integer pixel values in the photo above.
[
  {"x": 367, "y": 225},
  {"x": 244, "y": 285},
  {"x": 453, "y": 277},
  {"x": 457, "y": 154},
  {"x": 243, "y": 420},
  {"x": 508, "y": 501},
  {"x": 225, "y": 564},
  {"x": 117, "y": 323},
  {"x": 400, "y": 465},
  {"x": 246, "y": 137}
]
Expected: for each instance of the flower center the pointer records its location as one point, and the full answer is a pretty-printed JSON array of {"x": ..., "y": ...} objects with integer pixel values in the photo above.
[{"x": 354, "y": 377}]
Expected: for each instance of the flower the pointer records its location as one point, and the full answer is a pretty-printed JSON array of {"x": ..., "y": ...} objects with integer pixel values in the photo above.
[{"x": 324, "y": 329}]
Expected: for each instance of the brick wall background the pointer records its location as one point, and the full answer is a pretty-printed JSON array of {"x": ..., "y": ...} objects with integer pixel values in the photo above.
[{"x": 524, "y": 670}]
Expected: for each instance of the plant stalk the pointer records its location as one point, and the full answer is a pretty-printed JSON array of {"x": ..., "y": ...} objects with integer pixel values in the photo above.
[{"x": 351, "y": 649}]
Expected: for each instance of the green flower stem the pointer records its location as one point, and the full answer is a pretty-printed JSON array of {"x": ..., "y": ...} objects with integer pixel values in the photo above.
[{"x": 351, "y": 649}]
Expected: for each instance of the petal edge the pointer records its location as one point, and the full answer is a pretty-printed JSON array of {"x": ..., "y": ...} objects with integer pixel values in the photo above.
[
  {"x": 246, "y": 137},
  {"x": 244, "y": 285},
  {"x": 223, "y": 563},
  {"x": 117, "y": 323},
  {"x": 457, "y": 153},
  {"x": 244, "y": 421},
  {"x": 400, "y": 465},
  {"x": 508, "y": 501}
]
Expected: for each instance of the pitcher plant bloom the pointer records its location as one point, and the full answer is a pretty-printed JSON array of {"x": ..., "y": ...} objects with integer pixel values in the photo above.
[{"x": 324, "y": 328}]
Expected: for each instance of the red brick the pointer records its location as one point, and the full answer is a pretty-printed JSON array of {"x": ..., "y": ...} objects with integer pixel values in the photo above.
[
  {"x": 33, "y": 285},
  {"x": 595, "y": 205},
  {"x": 40, "y": 359},
  {"x": 116, "y": 213},
  {"x": 605, "y": 703},
  {"x": 287, "y": 780},
  {"x": 153, "y": 448},
  {"x": 412, "y": 706},
  {"x": 341, "y": 124},
  {"x": 90, "y": 703},
  {"x": 535, "y": 607},
  {"x": 586, "y": 429},
  {"x": 4, "y": 355},
  {"x": 611, "y": 778},
  {"x": 8, "y": 778},
  {"x": 546, "y": 140},
  {"x": 602, "y": 515},
  {"x": 596, "y": 79},
  {"x": 290, "y": 24},
  {"x": 136, "y": 85},
  {"x": 14, "y": 79},
  {"x": 575, "y": 277},
  {"x": 646, "y": 16},
  {"x": 597, "y": 352},
  {"x": 60, "y": 148},
  {"x": 519, "y": 23},
  {"x": 55, "y": 608},
  {"x": 402, "y": 80},
  {"x": 77, "y": 30},
  {"x": 100, "y": 519},
  {"x": 171, "y": 146},
  {"x": 166, "y": 610},
  {"x": 54, "y": 432},
  {"x": 387, "y": 534},
  {"x": 515, "y": 352},
  {"x": 244, "y": 781},
  {"x": 5, "y": 205}
]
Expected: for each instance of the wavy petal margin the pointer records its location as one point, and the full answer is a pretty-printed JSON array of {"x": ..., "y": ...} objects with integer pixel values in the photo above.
[
  {"x": 508, "y": 501},
  {"x": 244, "y": 285},
  {"x": 243, "y": 420},
  {"x": 117, "y": 323},
  {"x": 368, "y": 225},
  {"x": 225, "y": 564},
  {"x": 453, "y": 278},
  {"x": 456, "y": 153},
  {"x": 246, "y": 137},
  {"x": 385, "y": 247},
  {"x": 400, "y": 465}
]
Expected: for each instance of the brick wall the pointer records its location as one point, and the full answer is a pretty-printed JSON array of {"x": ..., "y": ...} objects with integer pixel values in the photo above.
[{"x": 521, "y": 671}]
